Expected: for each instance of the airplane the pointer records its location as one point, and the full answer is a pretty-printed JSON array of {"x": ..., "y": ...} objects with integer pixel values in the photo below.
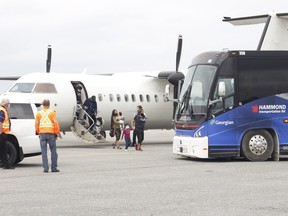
[
  {"x": 275, "y": 32},
  {"x": 121, "y": 91}
]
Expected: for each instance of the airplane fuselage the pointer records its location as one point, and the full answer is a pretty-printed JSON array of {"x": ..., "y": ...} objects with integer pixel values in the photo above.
[{"x": 122, "y": 91}]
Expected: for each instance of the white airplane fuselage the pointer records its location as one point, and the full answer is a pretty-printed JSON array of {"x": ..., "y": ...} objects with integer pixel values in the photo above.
[{"x": 122, "y": 91}]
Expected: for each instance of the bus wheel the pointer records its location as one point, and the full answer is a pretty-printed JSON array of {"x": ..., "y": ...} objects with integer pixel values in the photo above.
[
  {"x": 257, "y": 145},
  {"x": 12, "y": 153}
]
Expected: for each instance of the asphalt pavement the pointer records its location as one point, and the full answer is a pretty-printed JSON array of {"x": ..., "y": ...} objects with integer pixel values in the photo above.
[{"x": 94, "y": 179}]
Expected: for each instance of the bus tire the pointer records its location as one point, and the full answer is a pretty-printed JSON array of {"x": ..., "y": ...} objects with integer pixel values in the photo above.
[
  {"x": 257, "y": 145},
  {"x": 12, "y": 153}
]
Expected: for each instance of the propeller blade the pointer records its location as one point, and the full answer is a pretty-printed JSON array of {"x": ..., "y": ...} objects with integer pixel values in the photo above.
[
  {"x": 48, "y": 61},
  {"x": 178, "y": 54}
]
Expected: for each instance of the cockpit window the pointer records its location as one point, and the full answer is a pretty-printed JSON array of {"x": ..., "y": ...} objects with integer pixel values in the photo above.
[
  {"x": 44, "y": 88},
  {"x": 22, "y": 87}
]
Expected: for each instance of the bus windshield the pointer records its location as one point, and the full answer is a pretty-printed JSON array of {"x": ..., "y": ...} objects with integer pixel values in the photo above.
[{"x": 195, "y": 92}]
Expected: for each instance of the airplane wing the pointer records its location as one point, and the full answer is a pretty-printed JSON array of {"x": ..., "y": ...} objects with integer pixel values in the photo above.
[
  {"x": 250, "y": 20},
  {"x": 274, "y": 35},
  {"x": 11, "y": 78},
  {"x": 152, "y": 74},
  {"x": 165, "y": 74},
  {"x": 282, "y": 15}
]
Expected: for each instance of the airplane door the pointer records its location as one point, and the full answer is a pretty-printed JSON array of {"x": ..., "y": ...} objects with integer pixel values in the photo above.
[
  {"x": 81, "y": 126},
  {"x": 80, "y": 92}
]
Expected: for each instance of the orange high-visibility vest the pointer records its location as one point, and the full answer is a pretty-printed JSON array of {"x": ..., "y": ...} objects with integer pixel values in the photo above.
[
  {"x": 46, "y": 122},
  {"x": 6, "y": 122}
]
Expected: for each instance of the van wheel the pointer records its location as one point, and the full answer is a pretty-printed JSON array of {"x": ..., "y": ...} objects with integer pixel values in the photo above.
[
  {"x": 12, "y": 153},
  {"x": 257, "y": 145}
]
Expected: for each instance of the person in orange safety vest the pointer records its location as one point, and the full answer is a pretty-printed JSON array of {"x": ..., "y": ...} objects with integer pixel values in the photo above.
[
  {"x": 48, "y": 128},
  {"x": 4, "y": 130}
]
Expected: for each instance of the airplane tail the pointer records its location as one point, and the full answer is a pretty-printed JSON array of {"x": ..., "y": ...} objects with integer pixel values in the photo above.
[{"x": 275, "y": 32}]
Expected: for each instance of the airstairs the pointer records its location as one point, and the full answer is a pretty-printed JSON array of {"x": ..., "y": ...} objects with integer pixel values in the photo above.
[{"x": 83, "y": 131}]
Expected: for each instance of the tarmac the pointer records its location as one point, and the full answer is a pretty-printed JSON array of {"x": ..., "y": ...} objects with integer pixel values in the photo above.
[{"x": 94, "y": 179}]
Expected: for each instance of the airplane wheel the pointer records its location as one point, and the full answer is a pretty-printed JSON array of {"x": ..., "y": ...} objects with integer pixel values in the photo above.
[{"x": 257, "y": 145}]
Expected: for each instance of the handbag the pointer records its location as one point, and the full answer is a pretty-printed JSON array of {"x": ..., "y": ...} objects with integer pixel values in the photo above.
[{"x": 112, "y": 133}]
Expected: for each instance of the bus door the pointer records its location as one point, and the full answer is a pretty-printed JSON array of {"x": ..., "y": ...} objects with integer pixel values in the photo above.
[{"x": 222, "y": 127}]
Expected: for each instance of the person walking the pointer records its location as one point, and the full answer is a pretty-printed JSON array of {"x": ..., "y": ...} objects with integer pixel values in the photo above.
[
  {"x": 138, "y": 124},
  {"x": 5, "y": 127},
  {"x": 47, "y": 126},
  {"x": 90, "y": 105},
  {"x": 139, "y": 107},
  {"x": 126, "y": 136},
  {"x": 115, "y": 126}
]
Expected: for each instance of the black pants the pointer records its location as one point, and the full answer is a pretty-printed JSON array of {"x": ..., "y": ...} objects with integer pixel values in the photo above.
[
  {"x": 4, "y": 150},
  {"x": 139, "y": 135},
  {"x": 133, "y": 139}
]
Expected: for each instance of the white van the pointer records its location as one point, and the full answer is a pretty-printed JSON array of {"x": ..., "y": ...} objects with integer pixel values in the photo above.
[{"x": 22, "y": 140}]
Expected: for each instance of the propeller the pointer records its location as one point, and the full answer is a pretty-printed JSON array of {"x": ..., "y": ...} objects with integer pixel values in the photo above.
[
  {"x": 179, "y": 50},
  {"x": 48, "y": 61},
  {"x": 175, "y": 77}
]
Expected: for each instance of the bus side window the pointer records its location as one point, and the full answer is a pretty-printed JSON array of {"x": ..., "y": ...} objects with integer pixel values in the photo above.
[
  {"x": 230, "y": 93},
  {"x": 227, "y": 95}
]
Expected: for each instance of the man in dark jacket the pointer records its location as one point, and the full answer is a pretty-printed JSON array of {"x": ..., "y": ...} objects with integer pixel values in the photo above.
[{"x": 90, "y": 105}]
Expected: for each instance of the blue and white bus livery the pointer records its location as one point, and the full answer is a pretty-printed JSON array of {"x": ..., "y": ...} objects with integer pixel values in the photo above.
[{"x": 234, "y": 104}]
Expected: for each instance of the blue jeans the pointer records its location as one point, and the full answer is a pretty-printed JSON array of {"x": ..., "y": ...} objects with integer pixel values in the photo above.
[
  {"x": 51, "y": 140},
  {"x": 127, "y": 142}
]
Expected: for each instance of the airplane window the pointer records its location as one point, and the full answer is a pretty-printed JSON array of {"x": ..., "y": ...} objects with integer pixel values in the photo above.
[
  {"x": 100, "y": 97},
  {"x": 156, "y": 98},
  {"x": 22, "y": 87},
  {"x": 126, "y": 97},
  {"x": 45, "y": 88},
  {"x": 141, "y": 97},
  {"x": 148, "y": 98},
  {"x": 20, "y": 111},
  {"x": 111, "y": 97},
  {"x": 133, "y": 97},
  {"x": 118, "y": 97}
]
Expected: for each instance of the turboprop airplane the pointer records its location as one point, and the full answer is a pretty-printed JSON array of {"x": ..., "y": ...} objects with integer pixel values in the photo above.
[
  {"x": 121, "y": 91},
  {"x": 275, "y": 32}
]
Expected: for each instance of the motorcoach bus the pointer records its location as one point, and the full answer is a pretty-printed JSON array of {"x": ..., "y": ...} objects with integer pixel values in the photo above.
[{"x": 234, "y": 104}]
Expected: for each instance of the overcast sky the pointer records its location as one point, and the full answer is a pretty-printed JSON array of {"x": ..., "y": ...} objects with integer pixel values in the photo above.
[{"x": 121, "y": 35}]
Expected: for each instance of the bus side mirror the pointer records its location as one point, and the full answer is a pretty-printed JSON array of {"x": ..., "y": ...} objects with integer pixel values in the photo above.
[
  {"x": 167, "y": 92},
  {"x": 221, "y": 89}
]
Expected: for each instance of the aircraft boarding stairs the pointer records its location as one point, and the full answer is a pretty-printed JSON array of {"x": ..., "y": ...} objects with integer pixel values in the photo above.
[{"x": 82, "y": 130}]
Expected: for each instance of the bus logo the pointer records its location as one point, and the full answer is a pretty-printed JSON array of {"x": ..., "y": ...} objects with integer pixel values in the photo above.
[
  {"x": 255, "y": 109},
  {"x": 226, "y": 123},
  {"x": 275, "y": 108}
]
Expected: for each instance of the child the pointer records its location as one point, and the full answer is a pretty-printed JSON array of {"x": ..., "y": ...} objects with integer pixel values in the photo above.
[{"x": 126, "y": 135}]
